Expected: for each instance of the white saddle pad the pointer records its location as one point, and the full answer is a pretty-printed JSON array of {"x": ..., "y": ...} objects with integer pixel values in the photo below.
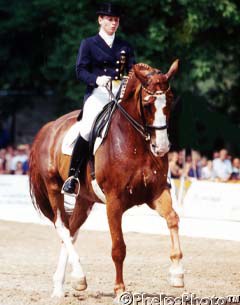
[
  {"x": 69, "y": 139},
  {"x": 71, "y": 136}
]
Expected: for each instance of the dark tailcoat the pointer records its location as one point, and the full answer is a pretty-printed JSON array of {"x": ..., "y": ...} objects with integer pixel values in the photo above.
[{"x": 96, "y": 58}]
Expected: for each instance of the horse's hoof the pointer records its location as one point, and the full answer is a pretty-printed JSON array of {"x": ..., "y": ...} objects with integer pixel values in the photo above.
[
  {"x": 176, "y": 280},
  {"x": 116, "y": 301},
  {"x": 79, "y": 284},
  {"x": 57, "y": 293}
]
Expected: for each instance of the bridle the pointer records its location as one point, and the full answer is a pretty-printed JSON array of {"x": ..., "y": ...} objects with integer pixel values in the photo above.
[
  {"x": 156, "y": 93},
  {"x": 144, "y": 128}
]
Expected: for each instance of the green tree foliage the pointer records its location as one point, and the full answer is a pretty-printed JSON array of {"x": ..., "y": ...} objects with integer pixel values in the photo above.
[{"x": 40, "y": 38}]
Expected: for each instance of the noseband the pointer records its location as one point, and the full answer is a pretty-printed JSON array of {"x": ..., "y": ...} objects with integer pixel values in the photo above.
[{"x": 144, "y": 129}]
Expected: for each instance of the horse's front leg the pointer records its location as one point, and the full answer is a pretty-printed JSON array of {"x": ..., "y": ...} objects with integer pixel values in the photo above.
[
  {"x": 114, "y": 213},
  {"x": 163, "y": 205}
]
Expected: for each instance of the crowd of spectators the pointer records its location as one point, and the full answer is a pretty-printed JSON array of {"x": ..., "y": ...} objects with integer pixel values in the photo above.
[
  {"x": 221, "y": 167},
  {"x": 14, "y": 160}
]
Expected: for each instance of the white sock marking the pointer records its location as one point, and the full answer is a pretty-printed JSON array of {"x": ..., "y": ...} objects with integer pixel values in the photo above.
[{"x": 77, "y": 271}]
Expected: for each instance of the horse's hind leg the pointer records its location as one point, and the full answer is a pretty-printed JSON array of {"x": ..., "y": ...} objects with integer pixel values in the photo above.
[
  {"x": 114, "y": 213},
  {"x": 68, "y": 237},
  {"x": 78, "y": 276},
  {"x": 80, "y": 214},
  {"x": 59, "y": 275},
  {"x": 163, "y": 205}
]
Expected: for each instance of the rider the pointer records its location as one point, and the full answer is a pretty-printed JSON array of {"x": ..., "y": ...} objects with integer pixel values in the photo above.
[{"x": 101, "y": 58}]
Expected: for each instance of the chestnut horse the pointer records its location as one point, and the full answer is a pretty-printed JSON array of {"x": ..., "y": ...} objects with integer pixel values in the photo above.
[{"x": 131, "y": 168}]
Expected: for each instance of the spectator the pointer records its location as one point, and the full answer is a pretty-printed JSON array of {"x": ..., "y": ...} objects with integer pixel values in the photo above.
[
  {"x": 25, "y": 167},
  {"x": 194, "y": 170},
  {"x": 19, "y": 169},
  {"x": 1, "y": 166},
  {"x": 174, "y": 168},
  {"x": 207, "y": 171},
  {"x": 9, "y": 154},
  {"x": 203, "y": 161},
  {"x": 215, "y": 155},
  {"x": 181, "y": 159},
  {"x": 20, "y": 156},
  {"x": 236, "y": 169},
  {"x": 2, "y": 160},
  {"x": 222, "y": 166}
]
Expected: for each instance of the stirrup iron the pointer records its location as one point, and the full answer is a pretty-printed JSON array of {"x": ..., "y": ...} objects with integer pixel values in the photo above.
[{"x": 78, "y": 189}]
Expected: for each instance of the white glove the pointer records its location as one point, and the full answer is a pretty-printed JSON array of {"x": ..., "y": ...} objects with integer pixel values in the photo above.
[{"x": 103, "y": 80}]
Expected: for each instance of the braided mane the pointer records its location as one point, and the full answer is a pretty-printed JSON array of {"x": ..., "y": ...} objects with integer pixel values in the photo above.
[
  {"x": 133, "y": 81},
  {"x": 143, "y": 66}
]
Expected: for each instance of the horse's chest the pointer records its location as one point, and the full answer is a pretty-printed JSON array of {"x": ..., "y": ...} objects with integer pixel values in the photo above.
[{"x": 148, "y": 180}]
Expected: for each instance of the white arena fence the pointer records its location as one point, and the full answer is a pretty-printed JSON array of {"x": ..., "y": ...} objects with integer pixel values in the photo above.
[{"x": 207, "y": 209}]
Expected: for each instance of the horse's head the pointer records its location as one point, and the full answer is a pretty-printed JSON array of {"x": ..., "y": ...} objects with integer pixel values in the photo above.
[{"x": 155, "y": 98}]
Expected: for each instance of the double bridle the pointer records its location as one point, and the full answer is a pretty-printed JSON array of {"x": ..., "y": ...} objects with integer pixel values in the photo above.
[{"x": 144, "y": 128}]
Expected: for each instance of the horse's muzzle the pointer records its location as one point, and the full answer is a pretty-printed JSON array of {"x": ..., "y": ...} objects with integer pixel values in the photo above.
[{"x": 159, "y": 151}]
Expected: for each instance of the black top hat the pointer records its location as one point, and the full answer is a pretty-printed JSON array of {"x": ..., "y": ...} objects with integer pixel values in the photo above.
[{"x": 109, "y": 9}]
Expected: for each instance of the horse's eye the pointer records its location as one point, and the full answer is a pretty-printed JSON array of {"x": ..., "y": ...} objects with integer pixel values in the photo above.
[{"x": 147, "y": 105}]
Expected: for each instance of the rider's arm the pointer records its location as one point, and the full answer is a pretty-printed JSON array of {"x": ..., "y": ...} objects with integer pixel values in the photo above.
[{"x": 84, "y": 65}]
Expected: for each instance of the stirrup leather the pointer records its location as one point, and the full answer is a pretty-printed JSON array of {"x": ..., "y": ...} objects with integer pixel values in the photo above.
[{"x": 78, "y": 189}]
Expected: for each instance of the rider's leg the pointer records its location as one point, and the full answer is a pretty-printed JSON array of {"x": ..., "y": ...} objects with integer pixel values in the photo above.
[
  {"x": 79, "y": 156},
  {"x": 92, "y": 107}
]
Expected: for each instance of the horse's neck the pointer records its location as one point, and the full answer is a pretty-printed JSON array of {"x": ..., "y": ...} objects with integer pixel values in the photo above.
[
  {"x": 131, "y": 86},
  {"x": 130, "y": 102},
  {"x": 130, "y": 98}
]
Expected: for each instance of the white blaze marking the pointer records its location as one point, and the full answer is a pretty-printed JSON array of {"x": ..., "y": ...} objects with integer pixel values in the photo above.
[{"x": 162, "y": 142}]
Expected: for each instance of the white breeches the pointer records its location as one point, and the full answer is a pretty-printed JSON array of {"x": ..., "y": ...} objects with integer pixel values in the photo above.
[{"x": 93, "y": 106}]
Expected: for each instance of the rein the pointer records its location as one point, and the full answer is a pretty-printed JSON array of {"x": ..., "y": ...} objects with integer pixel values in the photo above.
[
  {"x": 139, "y": 127},
  {"x": 144, "y": 128}
]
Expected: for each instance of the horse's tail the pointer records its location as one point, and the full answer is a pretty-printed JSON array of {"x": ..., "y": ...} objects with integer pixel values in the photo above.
[{"x": 38, "y": 190}]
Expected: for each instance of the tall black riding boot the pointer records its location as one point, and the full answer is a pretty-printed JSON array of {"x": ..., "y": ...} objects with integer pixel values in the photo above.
[{"x": 79, "y": 156}]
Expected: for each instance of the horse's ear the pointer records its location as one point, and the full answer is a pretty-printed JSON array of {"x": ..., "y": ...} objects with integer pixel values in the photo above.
[
  {"x": 173, "y": 69},
  {"x": 141, "y": 70}
]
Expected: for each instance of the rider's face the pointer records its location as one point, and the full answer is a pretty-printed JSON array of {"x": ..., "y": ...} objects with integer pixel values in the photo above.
[{"x": 109, "y": 24}]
